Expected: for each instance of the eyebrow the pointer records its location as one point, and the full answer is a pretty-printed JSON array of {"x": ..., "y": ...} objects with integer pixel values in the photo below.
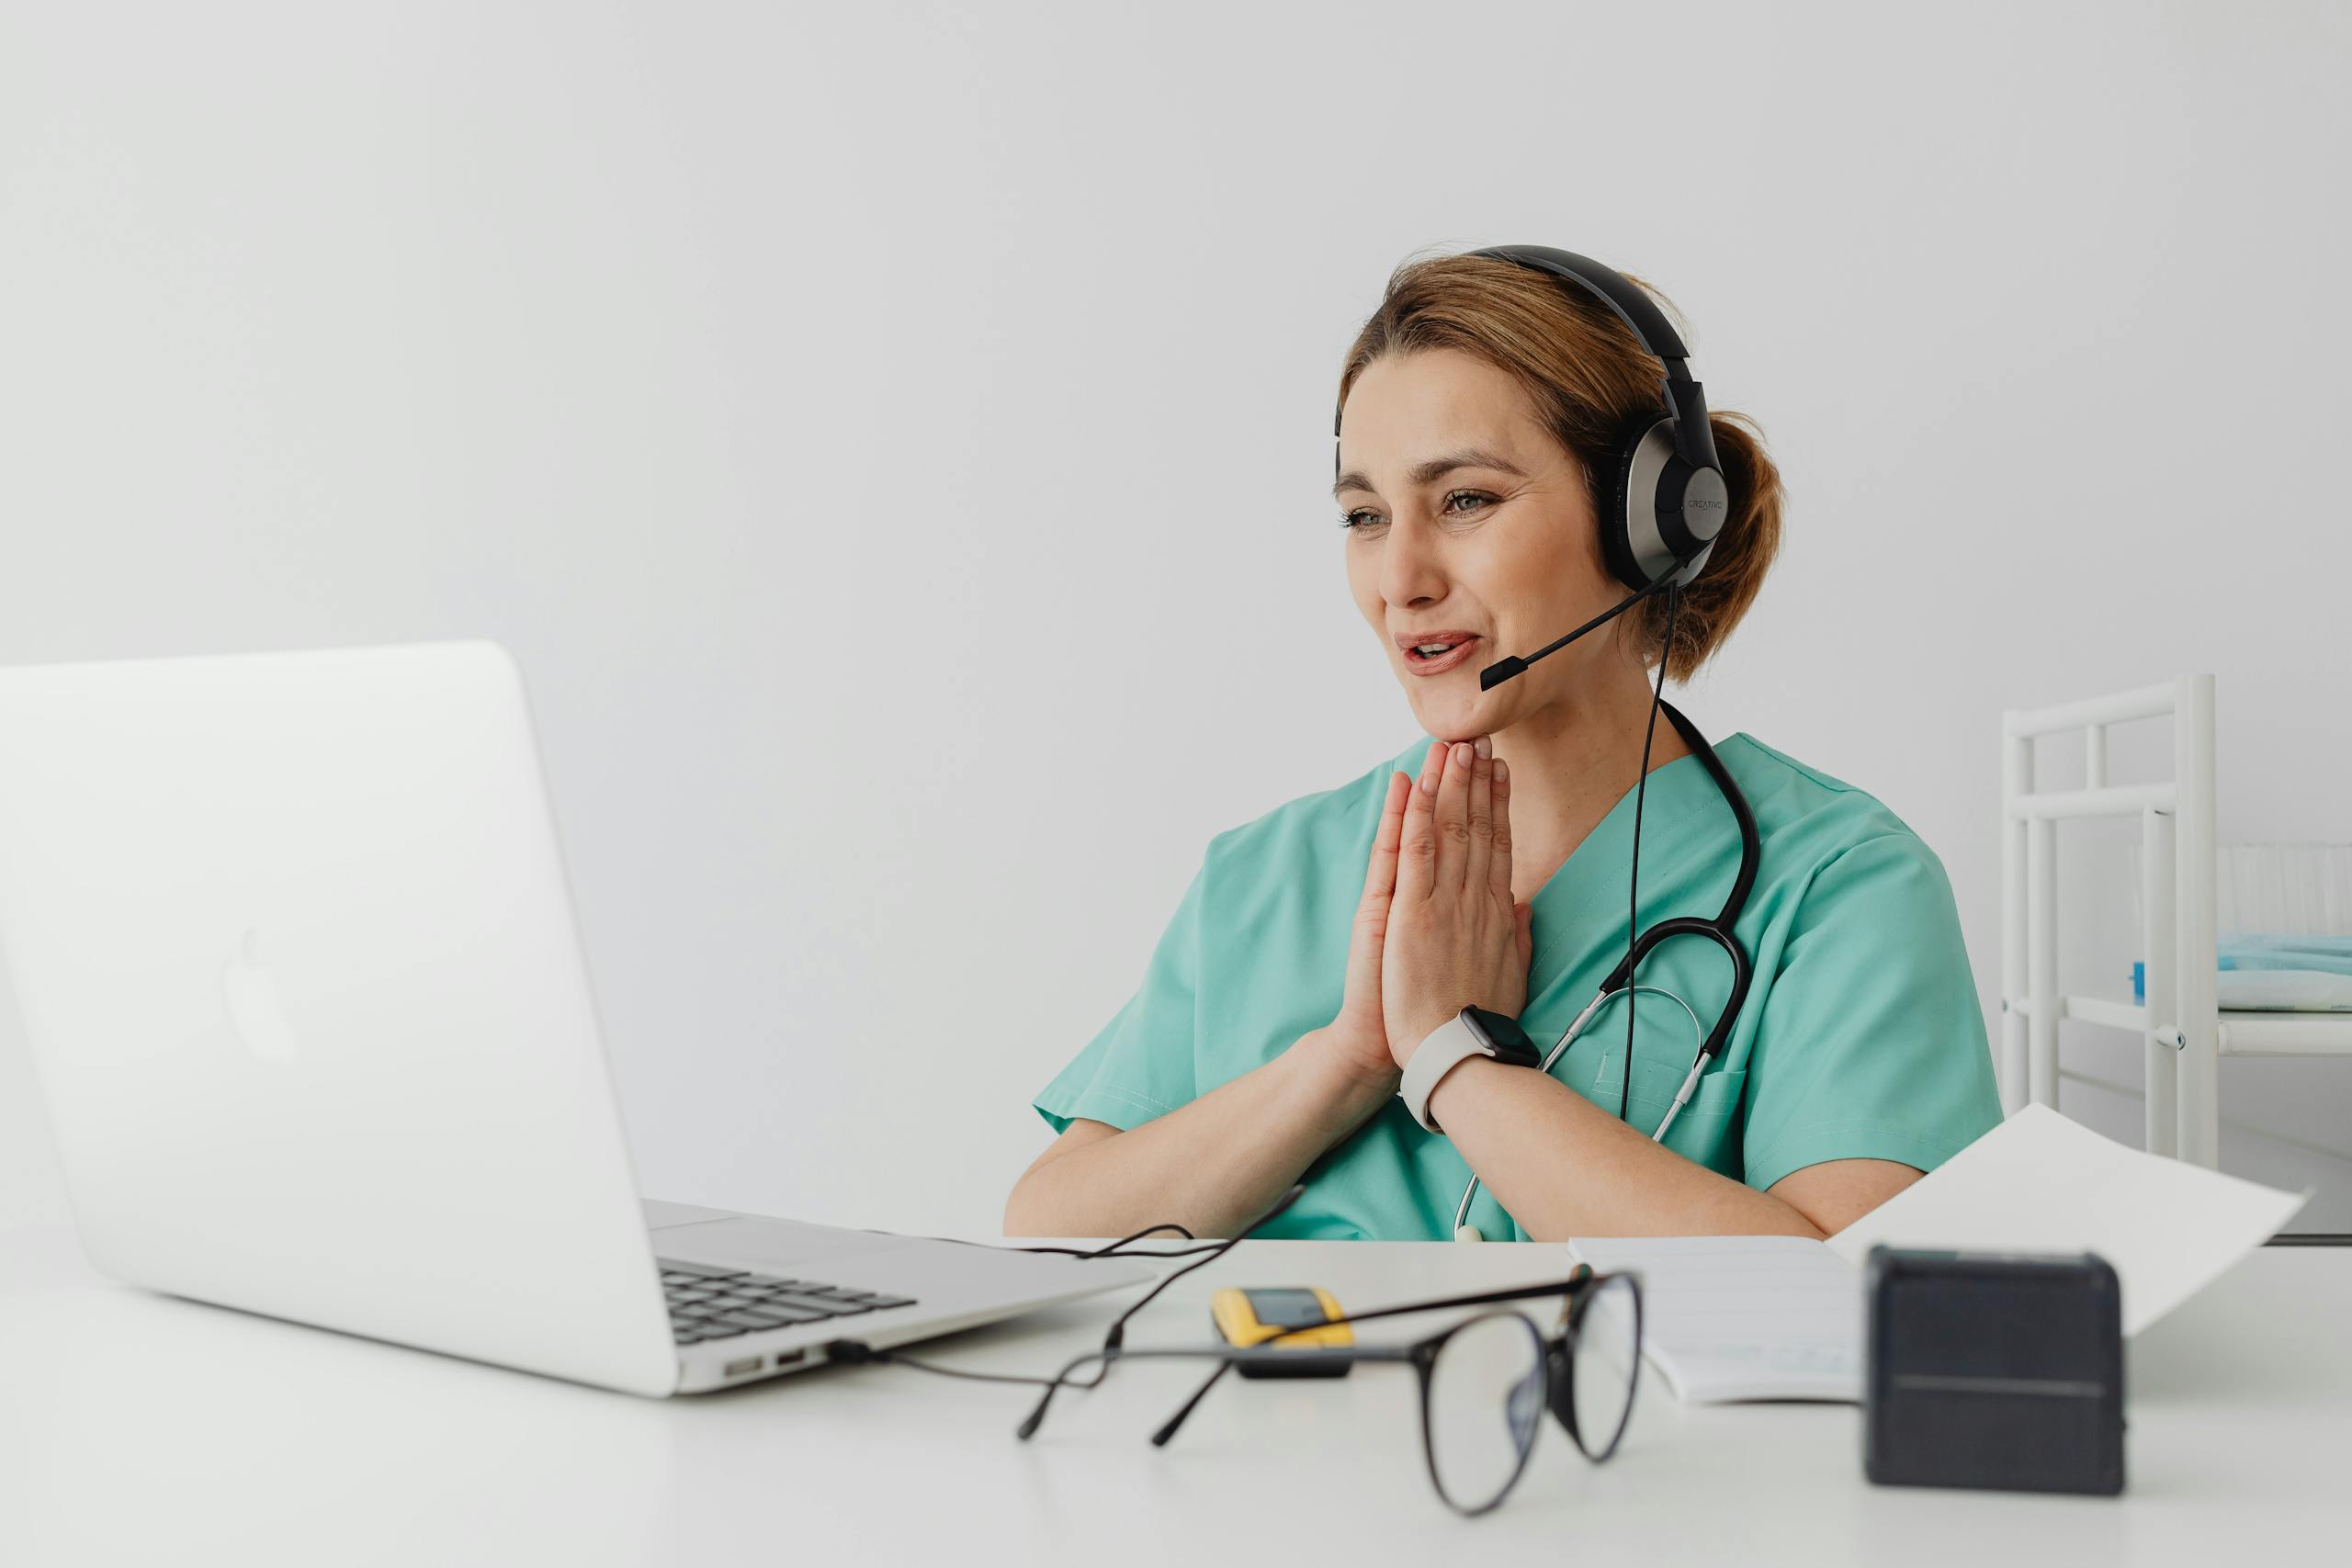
[{"x": 1433, "y": 468}]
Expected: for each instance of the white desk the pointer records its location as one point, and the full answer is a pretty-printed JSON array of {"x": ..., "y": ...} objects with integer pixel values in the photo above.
[{"x": 138, "y": 1428}]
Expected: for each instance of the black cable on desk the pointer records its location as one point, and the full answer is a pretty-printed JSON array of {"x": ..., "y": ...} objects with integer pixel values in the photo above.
[{"x": 857, "y": 1352}]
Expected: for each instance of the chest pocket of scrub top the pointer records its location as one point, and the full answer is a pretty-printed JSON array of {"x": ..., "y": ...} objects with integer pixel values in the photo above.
[{"x": 1706, "y": 1130}]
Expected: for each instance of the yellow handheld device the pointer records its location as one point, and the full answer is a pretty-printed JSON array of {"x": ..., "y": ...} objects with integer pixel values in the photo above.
[{"x": 1247, "y": 1317}]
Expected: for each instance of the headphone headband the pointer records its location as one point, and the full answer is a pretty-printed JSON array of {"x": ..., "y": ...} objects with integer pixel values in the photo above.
[{"x": 1686, "y": 401}]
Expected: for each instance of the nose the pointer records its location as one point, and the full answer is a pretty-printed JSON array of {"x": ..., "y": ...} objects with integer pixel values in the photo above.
[{"x": 1411, "y": 572}]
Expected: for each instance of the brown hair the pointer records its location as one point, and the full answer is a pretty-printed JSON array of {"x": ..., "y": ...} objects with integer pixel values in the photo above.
[{"x": 1591, "y": 381}]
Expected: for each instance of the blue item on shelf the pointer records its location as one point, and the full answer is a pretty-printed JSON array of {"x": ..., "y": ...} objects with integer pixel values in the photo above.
[{"x": 2276, "y": 973}]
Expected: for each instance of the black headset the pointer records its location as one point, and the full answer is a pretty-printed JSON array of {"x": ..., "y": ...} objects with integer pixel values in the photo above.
[
  {"x": 1669, "y": 499},
  {"x": 1670, "y": 504}
]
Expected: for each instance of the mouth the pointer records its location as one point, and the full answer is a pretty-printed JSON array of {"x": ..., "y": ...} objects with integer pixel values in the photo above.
[{"x": 1434, "y": 653}]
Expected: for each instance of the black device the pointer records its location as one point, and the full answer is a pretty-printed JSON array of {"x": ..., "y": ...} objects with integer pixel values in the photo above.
[
  {"x": 1996, "y": 1370},
  {"x": 1503, "y": 1035}
]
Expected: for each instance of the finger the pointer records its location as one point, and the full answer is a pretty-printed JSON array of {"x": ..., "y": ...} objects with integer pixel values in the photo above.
[
  {"x": 1380, "y": 874},
  {"x": 1480, "y": 845},
  {"x": 1499, "y": 853},
  {"x": 1416, "y": 846},
  {"x": 1453, "y": 819},
  {"x": 1370, "y": 937}
]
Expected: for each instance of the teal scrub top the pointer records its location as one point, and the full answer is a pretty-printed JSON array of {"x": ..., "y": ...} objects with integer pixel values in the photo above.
[{"x": 1861, "y": 1037}]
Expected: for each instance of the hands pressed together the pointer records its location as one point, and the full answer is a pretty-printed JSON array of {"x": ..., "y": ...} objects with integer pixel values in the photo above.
[{"x": 1437, "y": 930}]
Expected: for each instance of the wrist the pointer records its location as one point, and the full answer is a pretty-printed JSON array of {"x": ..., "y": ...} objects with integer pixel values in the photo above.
[
  {"x": 1410, "y": 1031},
  {"x": 1472, "y": 1034},
  {"x": 1334, "y": 1071},
  {"x": 1455, "y": 1097}
]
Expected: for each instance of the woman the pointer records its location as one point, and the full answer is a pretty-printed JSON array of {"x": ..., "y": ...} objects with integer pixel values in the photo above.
[{"x": 1319, "y": 945}]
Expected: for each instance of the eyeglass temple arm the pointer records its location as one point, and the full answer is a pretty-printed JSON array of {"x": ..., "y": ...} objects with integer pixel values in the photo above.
[
  {"x": 1520, "y": 1292},
  {"x": 1160, "y": 1438},
  {"x": 1237, "y": 1354},
  {"x": 1228, "y": 1354},
  {"x": 1583, "y": 1276}
]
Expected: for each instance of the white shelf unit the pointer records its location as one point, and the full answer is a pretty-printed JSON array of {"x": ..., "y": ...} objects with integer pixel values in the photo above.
[{"x": 2184, "y": 1031}]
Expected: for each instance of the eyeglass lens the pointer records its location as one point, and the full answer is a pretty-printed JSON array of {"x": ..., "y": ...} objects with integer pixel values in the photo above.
[
  {"x": 1485, "y": 1403},
  {"x": 1604, "y": 1361}
]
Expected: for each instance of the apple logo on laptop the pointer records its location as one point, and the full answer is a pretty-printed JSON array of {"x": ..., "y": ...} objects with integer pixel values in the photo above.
[{"x": 254, "y": 1007}]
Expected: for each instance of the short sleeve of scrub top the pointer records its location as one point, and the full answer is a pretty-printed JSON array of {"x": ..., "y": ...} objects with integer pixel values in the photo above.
[
  {"x": 1848, "y": 1049},
  {"x": 1141, "y": 1064},
  {"x": 1861, "y": 1036}
]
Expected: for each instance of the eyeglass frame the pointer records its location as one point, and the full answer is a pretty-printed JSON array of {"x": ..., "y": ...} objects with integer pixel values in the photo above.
[{"x": 1554, "y": 1349}]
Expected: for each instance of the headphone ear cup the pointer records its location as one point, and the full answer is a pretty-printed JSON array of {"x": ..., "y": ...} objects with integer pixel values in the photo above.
[{"x": 1619, "y": 524}]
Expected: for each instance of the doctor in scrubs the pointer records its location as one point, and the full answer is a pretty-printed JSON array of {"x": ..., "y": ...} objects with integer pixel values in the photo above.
[{"x": 1487, "y": 863}]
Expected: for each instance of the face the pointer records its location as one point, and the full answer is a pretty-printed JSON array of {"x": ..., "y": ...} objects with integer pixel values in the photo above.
[{"x": 1466, "y": 517}]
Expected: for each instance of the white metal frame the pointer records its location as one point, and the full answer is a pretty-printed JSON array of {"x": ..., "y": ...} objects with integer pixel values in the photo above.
[{"x": 2183, "y": 1029}]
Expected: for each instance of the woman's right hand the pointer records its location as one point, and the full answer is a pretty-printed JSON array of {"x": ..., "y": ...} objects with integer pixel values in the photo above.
[{"x": 1359, "y": 1033}]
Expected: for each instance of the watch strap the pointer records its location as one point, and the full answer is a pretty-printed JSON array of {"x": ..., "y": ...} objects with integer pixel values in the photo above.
[{"x": 1445, "y": 1048}]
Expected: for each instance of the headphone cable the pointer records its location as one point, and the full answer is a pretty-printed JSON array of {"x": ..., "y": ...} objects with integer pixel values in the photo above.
[{"x": 1634, "y": 877}]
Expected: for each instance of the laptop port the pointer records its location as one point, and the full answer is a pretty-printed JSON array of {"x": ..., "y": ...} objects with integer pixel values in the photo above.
[
  {"x": 736, "y": 1369},
  {"x": 792, "y": 1358}
]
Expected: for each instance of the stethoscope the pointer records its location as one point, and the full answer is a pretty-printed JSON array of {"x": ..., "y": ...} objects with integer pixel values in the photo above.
[{"x": 1618, "y": 982}]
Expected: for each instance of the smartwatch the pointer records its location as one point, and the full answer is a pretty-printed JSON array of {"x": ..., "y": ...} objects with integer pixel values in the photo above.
[{"x": 1473, "y": 1031}]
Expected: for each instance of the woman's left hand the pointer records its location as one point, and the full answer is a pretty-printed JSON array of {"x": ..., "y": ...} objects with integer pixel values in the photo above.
[{"x": 1455, "y": 937}]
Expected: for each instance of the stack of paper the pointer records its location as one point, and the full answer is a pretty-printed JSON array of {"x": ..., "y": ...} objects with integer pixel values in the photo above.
[
  {"x": 1727, "y": 1317},
  {"x": 1781, "y": 1317}
]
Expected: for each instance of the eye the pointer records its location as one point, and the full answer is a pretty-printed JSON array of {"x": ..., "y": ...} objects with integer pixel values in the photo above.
[{"x": 1362, "y": 518}]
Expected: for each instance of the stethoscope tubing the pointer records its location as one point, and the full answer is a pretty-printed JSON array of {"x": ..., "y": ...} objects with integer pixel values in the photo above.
[
  {"x": 1717, "y": 931},
  {"x": 1567, "y": 1038}
]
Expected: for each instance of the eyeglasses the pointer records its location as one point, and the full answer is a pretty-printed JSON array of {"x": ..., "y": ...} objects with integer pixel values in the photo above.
[
  {"x": 1486, "y": 1380},
  {"x": 1584, "y": 1372}
]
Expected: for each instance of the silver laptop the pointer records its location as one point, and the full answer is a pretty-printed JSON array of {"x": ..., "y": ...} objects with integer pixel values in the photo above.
[{"x": 296, "y": 958}]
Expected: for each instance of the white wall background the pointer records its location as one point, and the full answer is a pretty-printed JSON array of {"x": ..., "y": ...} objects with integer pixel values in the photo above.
[{"x": 895, "y": 440}]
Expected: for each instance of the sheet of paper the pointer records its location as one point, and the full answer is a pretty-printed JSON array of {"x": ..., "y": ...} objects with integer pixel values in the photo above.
[
  {"x": 2041, "y": 1183},
  {"x": 1734, "y": 1317}
]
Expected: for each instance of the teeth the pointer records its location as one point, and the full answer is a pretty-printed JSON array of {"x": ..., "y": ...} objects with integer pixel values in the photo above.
[{"x": 1431, "y": 650}]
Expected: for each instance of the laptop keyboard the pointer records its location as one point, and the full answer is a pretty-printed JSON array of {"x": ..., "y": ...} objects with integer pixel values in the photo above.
[{"x": 720, "y": 1303}]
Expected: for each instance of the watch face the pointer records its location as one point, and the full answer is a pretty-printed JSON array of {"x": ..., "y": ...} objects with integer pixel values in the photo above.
[{"x": 1502, "y": 1031}]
